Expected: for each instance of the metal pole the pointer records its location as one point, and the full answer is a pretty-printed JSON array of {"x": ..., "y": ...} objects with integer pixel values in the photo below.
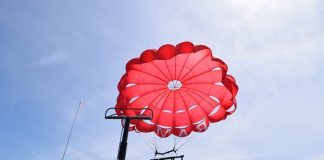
[
  {"x": 68, "y": 140},
  {"x": 123, "y": 143}
]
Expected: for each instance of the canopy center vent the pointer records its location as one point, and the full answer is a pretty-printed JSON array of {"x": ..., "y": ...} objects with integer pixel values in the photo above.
[{"x": 174, "y": 85}]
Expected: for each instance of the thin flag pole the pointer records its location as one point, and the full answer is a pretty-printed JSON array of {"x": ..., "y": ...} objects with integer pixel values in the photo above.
[{"x": 68, "y": 140}]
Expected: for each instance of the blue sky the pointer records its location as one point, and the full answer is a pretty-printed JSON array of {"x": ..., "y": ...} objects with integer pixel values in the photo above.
[{"x": 55, "y": 53}]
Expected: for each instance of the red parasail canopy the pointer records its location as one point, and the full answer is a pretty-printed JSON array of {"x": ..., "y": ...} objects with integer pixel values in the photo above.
[{"x": 185, "y": 86}]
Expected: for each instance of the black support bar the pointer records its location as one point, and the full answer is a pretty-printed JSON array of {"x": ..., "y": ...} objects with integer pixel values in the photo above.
[
  {"x": 123, "y": 144},
  {"x": 170, "y": 158}
]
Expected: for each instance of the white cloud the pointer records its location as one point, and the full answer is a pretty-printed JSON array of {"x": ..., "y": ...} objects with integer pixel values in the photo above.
[
  {"x": 52, "y": 58},
  {"x": 318, "y": 157}
]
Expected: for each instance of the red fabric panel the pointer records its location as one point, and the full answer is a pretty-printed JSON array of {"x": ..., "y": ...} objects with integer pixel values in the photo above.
[
  {"x": 131, "y": 63},
  {"x": 196, "y": 114},
  {"x": 219, "y": 115},
  {"x": 138, "y": 103},
  {"x": 201, "y": 127},
  {"x": 209, "y": 77},
  {"x": 122, "y": 83},
  {"x": 166, "y": 52},
  {"x": 192, "y": 61},
  {"x": 227, "y": 101},
  {"x": 181, "y": 119},
  {"x": 166, "y": 113},
  {"x": 165, "y": 119},
  {"x": 155, "y": 70},
  {"x": 139, "y": 77},
  {"x": 208, "y": 104},
  {"x": 142, "y": 126},
  {"x": 185, "y": 47},
  {"x": 182, "y": 132},
  {"x": 171, "y": 67},
  {"x": 187, "y": 99},
  {"x": 148, "y": 56},
  {"x": 230, "y": 83},
  {"x": 162, "y": 132},
  {"x": 156, "y": 113},
  {"x": 143, "y": 90},
  {"x": 169, "y": 103},
  {"x": 181, "y": 60},
  {"x": 179, "y": 101},
  {"x": 200, "y": 47},
  {"x": 162, "y": 69}
]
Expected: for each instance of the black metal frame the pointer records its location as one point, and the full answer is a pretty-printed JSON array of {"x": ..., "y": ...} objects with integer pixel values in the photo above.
[
  {"x": 163, "y": 153},
  {"x": 170, "y": 158},
  {"x": 123, "y": 144},
  {"x": 167, "y": 152}
]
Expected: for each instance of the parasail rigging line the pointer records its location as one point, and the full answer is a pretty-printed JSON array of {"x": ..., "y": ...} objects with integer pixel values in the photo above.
[
  {"x": 146, "y": 141},
  {"x": 190, "y": 138},
  {"x": 154, "y": 141},
  {"x": 174, "y": 141},
  {"x": 69, "y": 137}
]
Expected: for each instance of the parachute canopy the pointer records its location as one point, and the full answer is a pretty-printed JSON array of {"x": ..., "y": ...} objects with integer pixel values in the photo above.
[{"x": 185, "y": 86}]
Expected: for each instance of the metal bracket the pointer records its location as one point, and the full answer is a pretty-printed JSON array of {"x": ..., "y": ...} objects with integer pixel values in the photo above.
[{"x": 140, "y": 116}]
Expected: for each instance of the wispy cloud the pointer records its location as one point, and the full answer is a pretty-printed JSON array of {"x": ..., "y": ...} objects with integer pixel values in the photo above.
[
  {"x": 318, "y": 157},
  {"x": 52, "y": 58}
]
